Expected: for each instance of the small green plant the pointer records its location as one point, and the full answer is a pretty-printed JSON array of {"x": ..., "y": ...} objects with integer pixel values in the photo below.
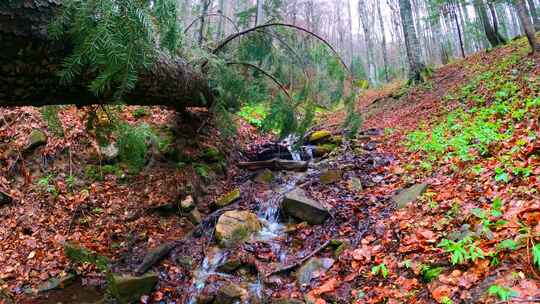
[
  {"x": 380, "y": 269},
  {"x": 140, "y": 112},
  {"x": 50, "y": 115},
  {"x": 462, "y": 251},
  {"x": 446, "y": 300},
  {"x": 202, "y": 170},
  {"x": 70, "y": 180},
  {"x": 502, "y": 292},
  {"x": 82, "y": 255},
  {"x": 133, "y": 143},
  {"x": 501, "y": 175},
  {"x": 536, "y": 255},
  {"x": 430, "y": 273},
  {"x": 45, "y": 184}
]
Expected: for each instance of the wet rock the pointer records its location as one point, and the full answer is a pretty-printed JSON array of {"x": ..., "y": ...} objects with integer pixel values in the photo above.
[
  {"x": 230, "y": 293},
  {"x": 227, "y": 199},
  {"x": 187, "y": 204},
  {"x": 37, "y": 138},
  {"x": 409, "y": 195},
  {"x": 313, "y": 269},
  {"x": 322, "y": 150},
  {"x": 298, "y": 205},
  {"x": 153, "y": 256},
  {"x": 234, "y": 227},
  {"x": 128, "y": 289},
  {"x": 52, "y": 284},
  {"x": 5, "y": 199},
  {"x": 109, "y": 153},
  {"x": 195, "y": 217},
  {"x": 230, "y": 266},
  {"x": 330, "y": 176},
  {"x": 264, "y": 177},
  {"x": 318, "y": 137}
]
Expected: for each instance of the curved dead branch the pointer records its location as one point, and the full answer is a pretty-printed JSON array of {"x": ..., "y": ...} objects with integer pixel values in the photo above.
[
  {"x": 247, "y": 31},
  {"x": 209, "y": 15},
  {"x": 274, "y": 79}
]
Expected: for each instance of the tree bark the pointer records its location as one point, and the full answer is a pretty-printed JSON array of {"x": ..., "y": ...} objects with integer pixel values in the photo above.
[
  {"x": 534, "y": 15},
  {"x": 527, "y": 25},
  {"x": 30, "y": 61},
  {"x": 492, "y": 36},
  {"x": 416, "y": 66}
]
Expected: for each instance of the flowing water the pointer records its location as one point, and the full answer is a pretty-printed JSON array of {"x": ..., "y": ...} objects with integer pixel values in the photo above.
[{"x": 272, "y": 232}]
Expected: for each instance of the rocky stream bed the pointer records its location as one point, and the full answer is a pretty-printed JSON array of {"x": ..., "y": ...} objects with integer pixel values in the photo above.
[{"x": 269, "y": 240}]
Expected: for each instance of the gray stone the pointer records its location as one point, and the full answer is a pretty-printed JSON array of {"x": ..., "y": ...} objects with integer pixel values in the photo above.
[
  {"x": 313, "y": 269},
  {"x": 299, "y": 206},
  {"x": 128, "y": 289},
  {"x": 235, "y": 226},
  {"x": 408, "y": 195},
  {"x": 230, "y": 293}
]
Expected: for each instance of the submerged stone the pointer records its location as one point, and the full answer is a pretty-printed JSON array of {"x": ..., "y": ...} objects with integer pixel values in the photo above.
[
  {"x": 409, "y": 195},
  {"x": 234, "y": 227},
  {"x": 128, "y": 289},
  {"x": 299, "y": 206}
]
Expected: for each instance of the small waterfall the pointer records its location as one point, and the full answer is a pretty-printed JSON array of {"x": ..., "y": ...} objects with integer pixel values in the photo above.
[
  {"x": 208, "y": 267},
  {"x": 289, "y": 141}
]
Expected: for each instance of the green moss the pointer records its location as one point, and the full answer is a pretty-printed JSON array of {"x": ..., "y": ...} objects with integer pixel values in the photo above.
[
  {"x": 140, "y": 112},
  {"x": 212, "y": 154},
  {"x": 319, "y": 136},
  {"x": 228, "y": 198}
]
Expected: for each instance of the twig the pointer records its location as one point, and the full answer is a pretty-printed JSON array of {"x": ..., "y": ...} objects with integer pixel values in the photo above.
[{"x": 301, "y": 261}]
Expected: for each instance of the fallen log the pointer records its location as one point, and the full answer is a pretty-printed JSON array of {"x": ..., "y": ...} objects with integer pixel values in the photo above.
[
  {"x": 275, "y": 164},
  {"x": 154, "y": 256},
  {"x": 30, "y": 61}
]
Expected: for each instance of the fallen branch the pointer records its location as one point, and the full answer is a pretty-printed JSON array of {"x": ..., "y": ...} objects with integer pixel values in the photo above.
[
  {"x": 275, "y": 164},
  {"x": 301, "y": 261}
]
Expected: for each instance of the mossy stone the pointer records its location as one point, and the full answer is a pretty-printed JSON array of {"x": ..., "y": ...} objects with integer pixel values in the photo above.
[
  {"x": 234, "y": 227},
  {"x": 330, "y": 176},
  {"x": 319, "y": 136},
  {"x": 37, "y": 138},
  {"x": 227, "y": 199},
  {"x": 129, "y": 289},
  {"x": 264, "y": 177}
]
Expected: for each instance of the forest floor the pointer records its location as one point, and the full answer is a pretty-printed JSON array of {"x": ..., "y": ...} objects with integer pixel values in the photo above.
[{"x": 463, "y": 147}]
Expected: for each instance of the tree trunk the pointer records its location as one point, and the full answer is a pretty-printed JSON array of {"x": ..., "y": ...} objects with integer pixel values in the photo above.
[
  {"x": 383, "y": 41},
  {"x": 527, "y": 25},
  {"x": 534, "y": 15},
  {"x": 416, "y": 66},
  {"x": 30, "y": 62},
  {"x": 491, "y": 35}
]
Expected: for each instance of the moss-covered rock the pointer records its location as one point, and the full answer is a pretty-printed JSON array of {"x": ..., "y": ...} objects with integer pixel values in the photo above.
[
  {"x": 234, "y": 227},
  {"x": 264, "y": 177},
  {"x": 319, "y": 137},
  {"x": 330, "y": 176},
  {"x": 195, "y": 217},
  {"x": 322, "y": 150},
  {"x": 37, "y": 138},
  {"x": 129, "y": 289},
  {"x": 227, "y": 199}
]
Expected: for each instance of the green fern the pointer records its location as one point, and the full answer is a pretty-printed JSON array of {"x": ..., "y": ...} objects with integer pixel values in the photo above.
[{"x": 133, "y": 143}]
